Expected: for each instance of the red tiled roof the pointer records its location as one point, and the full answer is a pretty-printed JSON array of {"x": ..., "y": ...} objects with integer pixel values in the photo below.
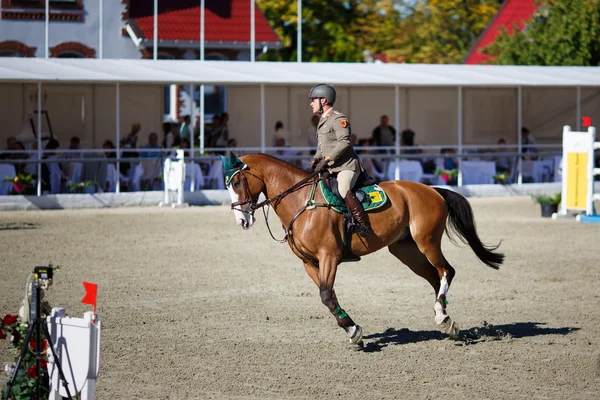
[
  {"x": 224, "y": 20},
  {"x": 512, "y": 11}
]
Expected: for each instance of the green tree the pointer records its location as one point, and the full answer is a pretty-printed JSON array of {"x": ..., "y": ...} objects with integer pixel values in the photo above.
[
  {"x": 562, "y": 32},
  {"x": 442, "y": 31},
  {"x": 326, "y": 31},
  {"x": 425, "y": 31}
]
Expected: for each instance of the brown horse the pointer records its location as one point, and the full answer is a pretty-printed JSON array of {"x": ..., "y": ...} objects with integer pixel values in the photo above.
[{"x": 410, "y": 225}]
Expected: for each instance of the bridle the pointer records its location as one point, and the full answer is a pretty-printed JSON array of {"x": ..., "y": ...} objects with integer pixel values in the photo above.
[{"x": 252, "y": 205}]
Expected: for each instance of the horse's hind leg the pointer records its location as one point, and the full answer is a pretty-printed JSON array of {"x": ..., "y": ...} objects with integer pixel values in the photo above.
[{"x": 434, "y": 268}]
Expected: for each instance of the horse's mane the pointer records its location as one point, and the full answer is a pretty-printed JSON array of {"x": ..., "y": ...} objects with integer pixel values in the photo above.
[{"x": 278, "y": 160}]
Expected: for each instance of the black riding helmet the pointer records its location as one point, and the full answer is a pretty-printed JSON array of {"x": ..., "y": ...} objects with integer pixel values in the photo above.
[{"x": 323, "y": 91}]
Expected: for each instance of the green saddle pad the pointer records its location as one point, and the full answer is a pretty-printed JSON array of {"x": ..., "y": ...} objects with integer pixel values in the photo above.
[{"x": 375, "y": 198}]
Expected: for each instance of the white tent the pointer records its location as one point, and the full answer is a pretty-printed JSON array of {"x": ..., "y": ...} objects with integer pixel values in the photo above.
[
  {"x": 57, "y": 70},
  {"x": 165, "y": 72}
]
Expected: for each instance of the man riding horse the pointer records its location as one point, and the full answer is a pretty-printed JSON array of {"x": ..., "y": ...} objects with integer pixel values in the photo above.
[{"x": 335, "y": 152}]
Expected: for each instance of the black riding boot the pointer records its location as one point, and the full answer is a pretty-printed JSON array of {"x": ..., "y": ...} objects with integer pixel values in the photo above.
[{"x": 359, "y": 214}]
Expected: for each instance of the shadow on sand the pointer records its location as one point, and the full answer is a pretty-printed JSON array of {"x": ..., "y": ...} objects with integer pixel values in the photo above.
[
  {"x": 485, "y": 333},
  {"x": 17, "y": 226}
]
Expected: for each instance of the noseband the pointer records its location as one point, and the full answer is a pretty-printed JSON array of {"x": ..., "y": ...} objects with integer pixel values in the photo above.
[
  {"x": 248, "y": 200},
  {"x": 311, "y": 179},
  {"x": 253, "y": 206}
]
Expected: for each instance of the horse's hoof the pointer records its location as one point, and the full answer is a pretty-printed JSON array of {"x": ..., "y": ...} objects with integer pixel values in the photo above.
[
  {"x": 451, "y": 328},
  {"x": 356, "y": 337}
]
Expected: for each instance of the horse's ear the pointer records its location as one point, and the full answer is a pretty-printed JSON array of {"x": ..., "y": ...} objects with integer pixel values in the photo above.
[
  {"x": 224, "y": 160},
  {"x": 235, "y": 162},
  {"x": 232, "y": 158}
]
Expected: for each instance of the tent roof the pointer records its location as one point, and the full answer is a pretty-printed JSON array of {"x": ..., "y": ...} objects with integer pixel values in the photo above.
[{"x": 110, "y": 71}]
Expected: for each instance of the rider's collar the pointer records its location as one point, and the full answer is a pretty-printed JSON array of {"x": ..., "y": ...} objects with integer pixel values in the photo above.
[{"x": 327, "y": 113}]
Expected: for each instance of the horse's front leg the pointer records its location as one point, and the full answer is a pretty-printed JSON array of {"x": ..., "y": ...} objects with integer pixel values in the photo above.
[{"x": 324, "y": 278}]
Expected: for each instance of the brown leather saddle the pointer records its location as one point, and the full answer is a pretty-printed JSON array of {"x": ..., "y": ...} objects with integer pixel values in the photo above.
[{"x": 331, "y": 182}]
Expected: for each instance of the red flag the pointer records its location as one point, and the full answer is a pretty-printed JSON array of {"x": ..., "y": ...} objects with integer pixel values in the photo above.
[
  {"x": 587, "y": 121},
  {"x": 91, "y": 289}
]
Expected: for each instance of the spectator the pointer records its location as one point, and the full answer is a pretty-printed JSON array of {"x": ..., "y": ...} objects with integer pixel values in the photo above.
[
  {"x": 130, "y": 142},
  {"x": 222, "y": 131},
  {"x": 110, "y": 152},
  {"x": 407, "y": 141},
  {"x": 211, "y": 136},
  {"x": 528, "y": 141},
  {"x": 449, "y": 162},
  {"x": 11, "y": 143},
  {"x": 384, "y": 134},
  {"x": 279, "y": 133},
  {"x": 503, "y": 164},
  {"x": 285, "y": 153},
  {"x": 184, "y": 130},
  {"x": 185, "y": 145},
  {"x": 152, "y": 145},
  {"x": 171, "y": 136},
  {"x": 52, "y": 144},
  {"x": 74, "y": 144},
  {"x": 371, "y": 166}
]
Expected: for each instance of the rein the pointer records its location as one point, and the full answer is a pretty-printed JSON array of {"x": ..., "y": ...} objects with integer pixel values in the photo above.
[{"x": 310, "y": 204}]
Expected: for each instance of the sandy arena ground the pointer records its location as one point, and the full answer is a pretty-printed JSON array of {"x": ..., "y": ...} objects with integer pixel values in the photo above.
[{"x": 193, "y": 307}]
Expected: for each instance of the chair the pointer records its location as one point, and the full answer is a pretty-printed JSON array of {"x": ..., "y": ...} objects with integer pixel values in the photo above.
[
  {"x": 198, "y": 176},
  {"x": 56, "y": 176},
  {"x": 216, "y": 176},
  {"x": 151, "y": 175},
  {"x": 6, "y": 171},
  {"x": 111, "y": 178},
  {"x": 74, "y": 172}
]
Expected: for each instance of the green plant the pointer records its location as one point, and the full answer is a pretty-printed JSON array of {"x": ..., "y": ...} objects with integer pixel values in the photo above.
[
  {"x": 545, "y": 199},
  {"x": 79, "y": 187},
  {"x": 21, "y": 182},
  {"x": 500, "y": 178},
  {"x": 447, "y": 175},
  {"x": 15, "y": 330}
]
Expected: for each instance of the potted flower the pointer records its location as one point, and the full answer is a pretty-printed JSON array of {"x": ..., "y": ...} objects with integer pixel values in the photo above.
[
  {"x": 448, "y": 176},
  {"x": 14, "y": 331},
  {"x": 500, "y": 178},
  {"x": 22, "y": 183},
  {"x": 549, "y": 203}
]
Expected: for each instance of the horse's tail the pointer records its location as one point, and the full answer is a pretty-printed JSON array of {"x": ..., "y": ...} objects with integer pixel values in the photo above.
[{"x": 462, "y": 222}]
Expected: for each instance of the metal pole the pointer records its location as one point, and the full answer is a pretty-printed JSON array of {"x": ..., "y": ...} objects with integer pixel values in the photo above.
[
  {"x": 460, "y": 136},
  {"x": 118, "y": 133},
  {"x": 39, "y": 139},
  {"x": 299, "y": 38},
  {"x": 192, "y": 183},
  {"x": 262, "y": 119},
  {"x": 519, "y": 127},
  {"x": 201, "y": 119},
  {"x": 100, "y": 32},
  {"x": 578, "y": 108},
  {"x": 155, "y": 30},
  {"x": 252, "y": 32},
  {"x": 397, "y": 138},
  {"x": 202, "y": 36},
  {"x": 46, "y": 29}
]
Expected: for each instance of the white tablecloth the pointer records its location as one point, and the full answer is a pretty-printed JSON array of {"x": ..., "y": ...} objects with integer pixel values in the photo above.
[
  {"x": 539, "y": 171},
  {"x": 478, "y": 172},
  {"x": 409, "y": 171}
]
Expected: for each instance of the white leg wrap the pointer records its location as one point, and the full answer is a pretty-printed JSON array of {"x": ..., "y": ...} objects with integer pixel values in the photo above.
[
  {"x": 443, "y": 286},
  {"x": 440, "y": 314}
]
